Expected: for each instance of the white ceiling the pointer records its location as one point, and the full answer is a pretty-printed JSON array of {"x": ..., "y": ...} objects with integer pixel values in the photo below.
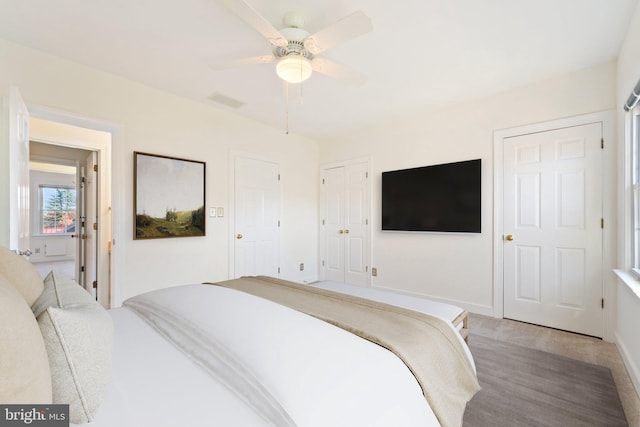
[{"x": 421, "y": 54}]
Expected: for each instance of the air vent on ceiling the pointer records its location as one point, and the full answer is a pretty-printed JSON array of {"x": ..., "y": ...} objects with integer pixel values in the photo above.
[{"x": 226, "y": 100}]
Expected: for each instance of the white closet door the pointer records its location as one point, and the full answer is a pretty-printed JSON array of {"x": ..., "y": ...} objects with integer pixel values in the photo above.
[
  {"x": 356, "y": 224},
  {"x": 345, "y": 223},
  {"x": 333, "y": 218},
  {"x": 552, "y": 227}
]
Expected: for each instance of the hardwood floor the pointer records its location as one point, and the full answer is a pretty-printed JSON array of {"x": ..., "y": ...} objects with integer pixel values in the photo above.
[{"x": 575, "y": 346}]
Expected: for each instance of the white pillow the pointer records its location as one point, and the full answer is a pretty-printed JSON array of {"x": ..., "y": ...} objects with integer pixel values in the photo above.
[
  {"x": 21, "y": 274},
  {"x": 78, "y": 335},
  {"x": 24, "y": 366}
]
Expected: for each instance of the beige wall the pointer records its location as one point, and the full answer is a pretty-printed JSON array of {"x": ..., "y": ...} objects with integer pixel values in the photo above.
[
  {"x": 157, "y": 122},
  {"x": 455, "y": 268},
  {"x": 458, "y": 268}
]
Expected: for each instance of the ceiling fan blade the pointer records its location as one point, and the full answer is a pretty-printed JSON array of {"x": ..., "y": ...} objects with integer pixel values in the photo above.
[
  {"x": 345, "y": 29},
  {"x": 338, "y": 71},
  {"x": 251, "y": 16},
  {"x": 231, "y": 63}
]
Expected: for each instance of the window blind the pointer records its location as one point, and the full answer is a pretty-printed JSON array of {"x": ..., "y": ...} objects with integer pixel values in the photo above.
[{"x": 633, "y": 98}]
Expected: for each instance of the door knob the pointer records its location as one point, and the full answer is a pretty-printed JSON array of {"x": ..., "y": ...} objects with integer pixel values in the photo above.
[
  {"x": 239, "y": 236},
  {"x": 509, "y": 237},
  {"x": 340, "y": 231},
  {"x": 346, "y": 231}
]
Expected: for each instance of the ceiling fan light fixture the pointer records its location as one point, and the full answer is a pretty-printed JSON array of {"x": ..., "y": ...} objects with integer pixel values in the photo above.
[{"x": 294, "y": 69}]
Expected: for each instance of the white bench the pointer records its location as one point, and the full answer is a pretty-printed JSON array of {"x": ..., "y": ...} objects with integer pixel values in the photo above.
[{"x": 456, "y": 315}]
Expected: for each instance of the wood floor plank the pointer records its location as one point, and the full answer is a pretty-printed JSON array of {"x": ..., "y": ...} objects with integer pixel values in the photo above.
[{"x": 527, "y": 387}]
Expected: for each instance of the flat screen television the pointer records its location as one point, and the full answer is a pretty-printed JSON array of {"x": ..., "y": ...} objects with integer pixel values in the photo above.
[{"x": 444, "y": 198}]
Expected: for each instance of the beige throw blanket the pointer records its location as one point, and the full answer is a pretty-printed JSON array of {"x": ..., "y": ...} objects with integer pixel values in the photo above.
[{"x": 427, "y": 345}]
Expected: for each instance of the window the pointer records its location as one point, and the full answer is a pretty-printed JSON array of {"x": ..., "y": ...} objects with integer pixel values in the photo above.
[
  {"x": 57, "y": 210},
  {"x": 634, "y": 133}
]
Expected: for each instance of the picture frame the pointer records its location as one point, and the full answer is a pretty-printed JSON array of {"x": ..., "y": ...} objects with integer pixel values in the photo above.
[{"x": 168, "y": 197}]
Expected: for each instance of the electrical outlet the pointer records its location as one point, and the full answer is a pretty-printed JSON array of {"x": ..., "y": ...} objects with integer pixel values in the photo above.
[
  {"x": 374, "y": 271},
  {"x": 36, "y": 250},
  {"x": 302, "y": 266}
]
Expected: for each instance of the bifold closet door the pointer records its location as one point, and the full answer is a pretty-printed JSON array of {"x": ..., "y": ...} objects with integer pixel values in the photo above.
[{"x": 345, "y": 224}]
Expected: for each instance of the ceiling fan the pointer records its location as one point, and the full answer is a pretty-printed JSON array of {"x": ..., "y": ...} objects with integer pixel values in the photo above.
[{"x": 294, "y": 50}]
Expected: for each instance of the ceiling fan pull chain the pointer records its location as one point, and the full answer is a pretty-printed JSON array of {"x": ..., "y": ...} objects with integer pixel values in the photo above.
[
  {"x": 301, "y": 94},
  {"x": 286, "y": 95}
]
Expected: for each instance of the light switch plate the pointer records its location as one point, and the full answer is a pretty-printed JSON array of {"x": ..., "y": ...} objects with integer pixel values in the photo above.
[
  {"x": 212, "y": 212},
  {"x": 220, "y": 212}
]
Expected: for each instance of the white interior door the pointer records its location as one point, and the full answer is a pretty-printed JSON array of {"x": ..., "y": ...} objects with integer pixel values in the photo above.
[
  {"x": 91, "y": 213},
  {"x": 86, "y": 233},
  {"x": 79, "y": 233},
  {"x": 357, "y": 224},
  {"x": 257, "y": 218},
  {"x": 333, "y": 224},
  {"x": 17, "y": 145},
  {"x": 553, "y": 229},
  {"x": 345, "y": 223}
]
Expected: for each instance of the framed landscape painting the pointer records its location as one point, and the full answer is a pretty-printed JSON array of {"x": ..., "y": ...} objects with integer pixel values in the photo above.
[{"x": 168, "y": 197}]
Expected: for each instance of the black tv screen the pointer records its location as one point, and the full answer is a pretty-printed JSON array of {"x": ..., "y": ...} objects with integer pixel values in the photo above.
[{"x": 442, "y": 198}]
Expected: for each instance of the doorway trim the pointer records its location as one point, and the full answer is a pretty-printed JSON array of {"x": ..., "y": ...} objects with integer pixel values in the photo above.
[
  {"x": 108, "y": 258},
  {"x": 609, "y": 201}
]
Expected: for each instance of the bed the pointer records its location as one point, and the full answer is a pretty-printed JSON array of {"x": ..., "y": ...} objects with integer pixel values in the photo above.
[
  {"x": 213, "y": 354},
  {"x": 448, "y": 312},
  {"x": 322, "y": 375}
]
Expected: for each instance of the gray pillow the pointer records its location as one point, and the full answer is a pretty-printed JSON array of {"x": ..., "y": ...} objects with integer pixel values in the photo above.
[
  {"x": 60, "y": 291},
  {"x": 78, "y": 336}
]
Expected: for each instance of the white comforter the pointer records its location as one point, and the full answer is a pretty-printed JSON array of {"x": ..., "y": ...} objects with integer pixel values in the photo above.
[{"x": 319, "y": 374}]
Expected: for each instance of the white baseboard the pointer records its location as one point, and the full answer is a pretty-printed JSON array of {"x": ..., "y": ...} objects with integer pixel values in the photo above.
[
  {"x": 632, "y": 369},
  {"x": 43, "y": 259}
]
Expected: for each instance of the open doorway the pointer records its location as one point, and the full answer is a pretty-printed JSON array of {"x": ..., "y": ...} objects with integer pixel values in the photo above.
[
  {"x": 63, "y": 207},
  {"x": 88, "y": 239},
  {"x": 44, "y": 125}
]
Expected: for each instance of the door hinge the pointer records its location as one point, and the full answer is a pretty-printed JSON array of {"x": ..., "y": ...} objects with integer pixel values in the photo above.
[
  {"x": 95, "y": 284},
  {"x": 602, "y": 302},
  {"x": 278, "y": 270},
  {"x": 366, "y": 174},
  {"x": 95, "y": 225},
  {"x": 278, "y": 223},
  {"x": 278, "y": 177},
  {"x": 323, "y": 263},
  {"x": 601, "y": 222},
  {"x": 602, "y": 143},
  {"x": 323, "y": 222},
  {"x": 366, "y": 268},
  {"x": 366, "y": 221},
  {"x": 95, "y": 168},
  {"x": 82, "y": 269},
  {"x": 323, "y": 180}
]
